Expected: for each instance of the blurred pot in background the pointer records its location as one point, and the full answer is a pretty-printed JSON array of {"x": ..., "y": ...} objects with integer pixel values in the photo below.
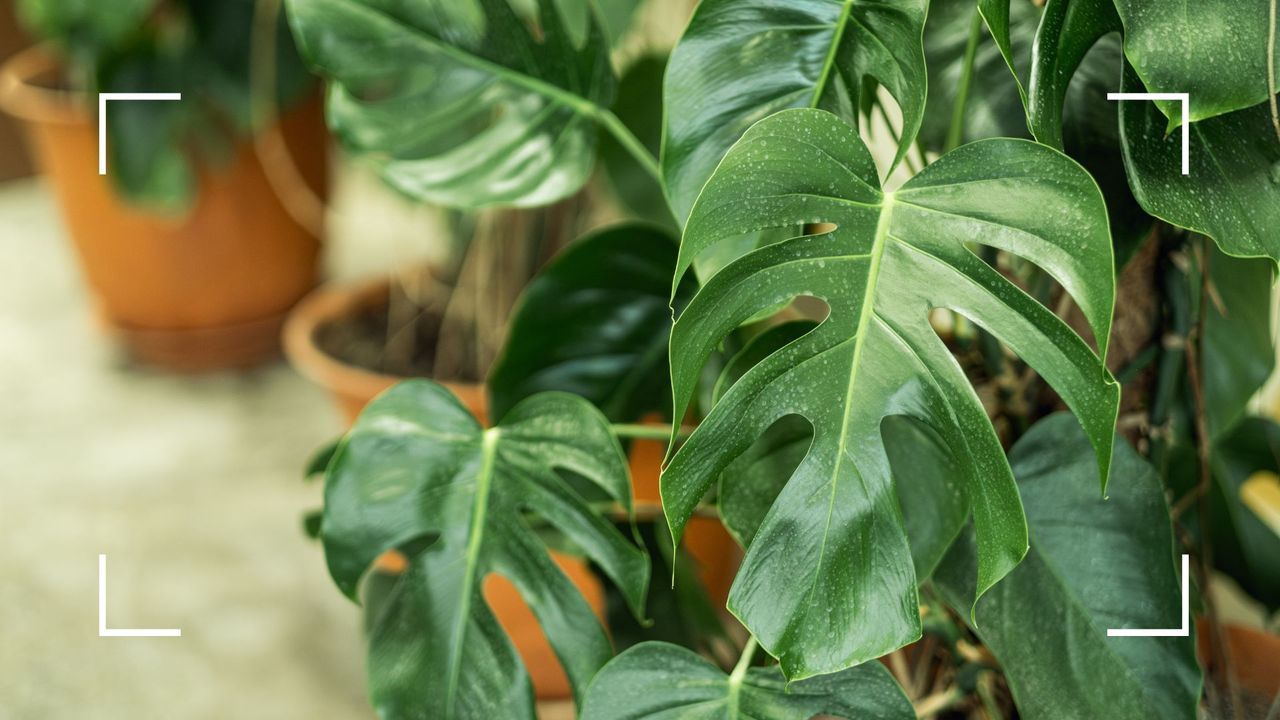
[{"x": 187, "y": 247}]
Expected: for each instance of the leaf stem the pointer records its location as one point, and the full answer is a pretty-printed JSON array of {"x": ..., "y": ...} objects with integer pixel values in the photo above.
[
  {"x": 956, "y": 132},
  {"x": 631, "y": 143},
  {"x": 1271, "y": 68},
  {"x": 744, "y": 661},
  {"x": 640, "y": 431}
]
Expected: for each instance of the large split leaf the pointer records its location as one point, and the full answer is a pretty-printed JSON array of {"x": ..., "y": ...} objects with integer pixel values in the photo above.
[
  {"x": 656, "y": 680},
  {"x": 934, "y": 508},
  {"x": 828, "y": 581},
  {"x": 741, "y": 60},
  {"x": 594, "y": 322},
  {"x": 1095, "y": 563},
  {"x": 461, "y": 101},
  {"x": 1232, "y": 193},
  {"x": 1216, "y": 51},
  {"x": 418, "y": 473}
]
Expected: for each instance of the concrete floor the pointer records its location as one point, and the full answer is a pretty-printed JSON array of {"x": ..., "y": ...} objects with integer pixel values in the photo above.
[{"x": 191, "y": 487}]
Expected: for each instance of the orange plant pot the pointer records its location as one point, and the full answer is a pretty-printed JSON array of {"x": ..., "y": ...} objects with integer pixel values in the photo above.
[{"x": 203, "y": 291}]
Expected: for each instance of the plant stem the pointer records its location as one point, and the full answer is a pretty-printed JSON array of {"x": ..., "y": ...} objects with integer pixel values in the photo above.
[
  {"x": 648, "y": 432},
  {"x": 631, "y": 143},
  {"x": 1271, "y": 68},
  {"x": 956, "y": 132},
  {"x": 744, "y": 661}
]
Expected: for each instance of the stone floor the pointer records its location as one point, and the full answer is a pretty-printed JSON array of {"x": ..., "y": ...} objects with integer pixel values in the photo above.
[{"x": 190, "y": 485}]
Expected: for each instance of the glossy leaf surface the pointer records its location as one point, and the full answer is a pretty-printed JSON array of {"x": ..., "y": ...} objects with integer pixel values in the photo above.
[
  {"x": 594, "y": 322},
  {"x": 1095, "y": 563},
  {"x": 418, "y": 473},
  {"x": 656, "y": 680},
  {"x": 1216, "y": 51},
  {"x": 741, "y": 60},
  {"x": 828, "y": 581},
  {"x": 462, "y": 102},
  {"x": 1232, "y": 193}
]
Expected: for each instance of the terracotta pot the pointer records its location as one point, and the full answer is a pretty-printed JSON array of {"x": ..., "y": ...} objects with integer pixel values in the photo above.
[
  {"x": 712, "y": 548},
  {"x": 352, "y": 388},
  {"x": 202, "y": 291},
  {"x": 1255, "y": 656}
]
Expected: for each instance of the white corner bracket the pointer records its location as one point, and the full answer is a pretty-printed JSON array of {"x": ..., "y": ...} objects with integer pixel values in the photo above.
[
  {"x": 1183, "y": 631},
  {"x": 104, "y": 631},
  {"x": 102, "y": 118},
  {"x": 1183, "y": 98}
]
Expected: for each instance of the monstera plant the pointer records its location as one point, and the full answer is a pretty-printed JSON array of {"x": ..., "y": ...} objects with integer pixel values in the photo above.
[{"x": 945, "y": 338}]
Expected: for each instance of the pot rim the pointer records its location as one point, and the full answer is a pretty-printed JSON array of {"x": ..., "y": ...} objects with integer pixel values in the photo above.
[
  {"x": 326, "y": 304},
  {"x": 23, "y": 98}
]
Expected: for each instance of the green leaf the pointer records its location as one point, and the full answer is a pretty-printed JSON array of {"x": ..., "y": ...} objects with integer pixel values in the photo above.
[
  {"x": 1243, "y": 545},
  {"x": 461, "y": 103},
  {"x": 1216, "y": 51},
  {"x": 1068, "y": 29},
  {"x": 994, "y": 105},
  {"x": 1237, "y": 354},
  {"x": 594, "y": 322},
  {"x": 417, "y": 472},
  {"x": 146, "y": 141},
  {"x": 997, "y": 15},
  {"x": 741, "y": 60},
  {"x": 934, "y": 508},
  {"x": 829, "y": 580},
  {"x": 78, "y": 26},
  {"x": 1095, "y": 563},
  {"x": 639, "y": 107},
  {"x": 656, "y": 680},
  {"x": 1232, "y": 193}
]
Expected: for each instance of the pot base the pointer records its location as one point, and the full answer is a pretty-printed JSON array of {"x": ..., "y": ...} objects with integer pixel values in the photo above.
[{"x": 238, "y": 346}]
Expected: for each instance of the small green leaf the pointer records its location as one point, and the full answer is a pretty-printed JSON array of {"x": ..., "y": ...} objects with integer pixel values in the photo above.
[
  {"x": 741, "y": 60},
  {"x": 462, "y": 103},
  {"x": 1095, "y": 563},
  {"x": 829, "y": 580},
  {"x": 418, "y": 473},
  {"x": 594, "y": 322},
  {"x": 656, "y": 680}
]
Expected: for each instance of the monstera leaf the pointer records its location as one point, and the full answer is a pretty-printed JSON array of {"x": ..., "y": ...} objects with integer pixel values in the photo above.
[
  {"x": 1216, "y": 51},
  {"x": 657, "y": 680},
  {"x": 828, "y": 581},
  {"x": 1067, "y": 31},
  {"x": 594, "y": 322},
  {"x": 418, "y": 473},
  {"x": 933, "y": 505},
  {"x": 993, "y": 106},
  {"x": 462, "y": 102},
  {"x": 740, "y": 60},
  {"x": 1095, "y": 563},
  {"x": 1232, "y": 193}
]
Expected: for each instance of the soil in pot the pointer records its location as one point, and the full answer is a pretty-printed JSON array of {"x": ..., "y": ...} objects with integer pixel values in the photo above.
[{"x": 204, "y": 290}]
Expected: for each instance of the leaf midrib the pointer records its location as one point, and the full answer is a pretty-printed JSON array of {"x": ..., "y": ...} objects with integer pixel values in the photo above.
[
  {"x": 830, "y": 61},
  {"x": 479, "y": 511},
  {"x": 573, "y": 101},
  {"x": 864, "y": 318}
]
